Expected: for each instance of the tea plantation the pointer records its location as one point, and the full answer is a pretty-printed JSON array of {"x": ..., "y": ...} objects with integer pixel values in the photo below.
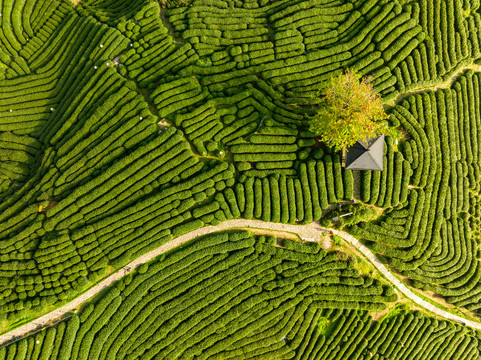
[
  {"x": 238, "y": 296},
  {"x": 127, "y": 123}
]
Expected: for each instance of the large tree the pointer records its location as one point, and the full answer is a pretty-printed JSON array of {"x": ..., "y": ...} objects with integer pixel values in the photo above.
[{"x": 351, "y": 110}]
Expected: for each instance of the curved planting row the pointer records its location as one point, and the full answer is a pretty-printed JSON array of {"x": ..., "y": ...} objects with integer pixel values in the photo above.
[
  {"x": 349, "y": 334},
  {"x": 88, "y": 179},
  {"x": 433, "y": 234},
  {"x": 20, "y": 21},
  {"x": 388, "y": 188},
  {"x": 62, "y": 137},
  {"x": 229, "y": 295},
  {"x": 125, "y": 125},
  {"x": 289, "y": 200},
  {"x": 452, "y": 40},
  {"x": 234, "y": 295},
  {"x": 39, "y": 167}
]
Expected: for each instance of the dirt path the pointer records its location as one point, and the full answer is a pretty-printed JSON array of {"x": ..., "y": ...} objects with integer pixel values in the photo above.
[
  {"x": 444, "y": 85},
  {"x": 400, "y": 286},
  {"x": 310, "y": 232}
]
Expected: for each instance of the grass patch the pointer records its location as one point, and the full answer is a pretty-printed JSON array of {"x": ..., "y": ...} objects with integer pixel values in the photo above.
[
  {"x": 326, "y": 326},
  {"x": 398, "y": 309}
]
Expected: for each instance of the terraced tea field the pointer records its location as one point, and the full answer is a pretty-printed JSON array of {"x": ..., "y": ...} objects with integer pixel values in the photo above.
[
  {"x": 126, "y": 124},
  {"x": 235, "y": 295}
]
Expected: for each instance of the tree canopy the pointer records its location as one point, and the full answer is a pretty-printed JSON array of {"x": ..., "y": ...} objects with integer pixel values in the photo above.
[{"x": 351, "y": 110}]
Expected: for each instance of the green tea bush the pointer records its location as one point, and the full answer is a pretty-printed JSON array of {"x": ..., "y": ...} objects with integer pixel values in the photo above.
[
  {"x": 113, "y": 115},
  {"x": 221, "y": 281}
]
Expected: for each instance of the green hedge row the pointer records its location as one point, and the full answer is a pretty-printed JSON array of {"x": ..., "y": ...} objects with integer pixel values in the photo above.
[
  {"x": 431, "y": 219},
  {"x": 235, "y": 87},
  {"x": 281, "y": 198},
  {"x": 256, "y": 293},
  {"x": 243, "y": 284}
]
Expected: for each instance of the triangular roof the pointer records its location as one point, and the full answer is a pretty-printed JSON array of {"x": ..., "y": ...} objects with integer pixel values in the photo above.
[{"x": 366, "y": 155}]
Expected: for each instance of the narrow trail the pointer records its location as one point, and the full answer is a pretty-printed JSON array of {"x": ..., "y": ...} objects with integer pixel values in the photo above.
[
  {"x": 444, "y": 85},
  {"x": 310, "y": 232}
]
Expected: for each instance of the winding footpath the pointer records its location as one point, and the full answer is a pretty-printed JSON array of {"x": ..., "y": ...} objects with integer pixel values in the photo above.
[
  {"x": 435, "y": 86},
  {"x": 310, "y": 232}
]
